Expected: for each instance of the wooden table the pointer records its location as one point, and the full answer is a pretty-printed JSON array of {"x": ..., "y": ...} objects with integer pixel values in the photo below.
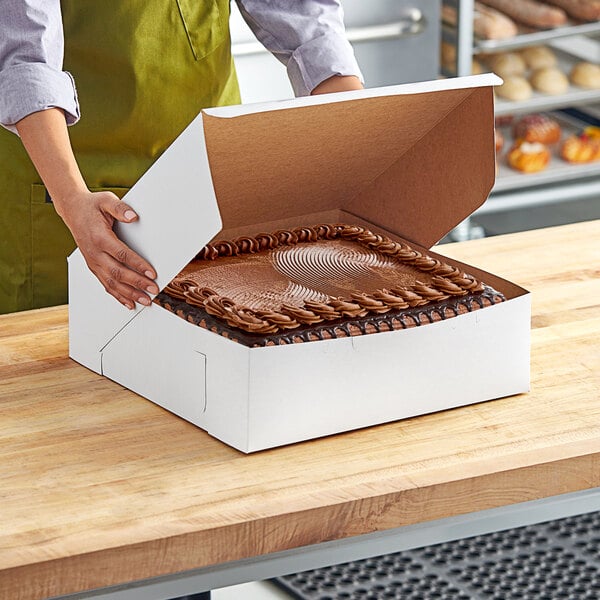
[{"x": 99, "y": 487}]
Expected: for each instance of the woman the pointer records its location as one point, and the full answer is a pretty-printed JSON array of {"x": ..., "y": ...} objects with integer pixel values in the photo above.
[{"x": 143, "y": 69}]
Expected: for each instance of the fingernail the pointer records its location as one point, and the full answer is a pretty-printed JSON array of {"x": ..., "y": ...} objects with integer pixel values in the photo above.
[
  {"x": 152, "y": 289},
  {"x": 129, "y": 214},
  {"x": 144, "y": 300},
  {"x": 149, "y": 274}
]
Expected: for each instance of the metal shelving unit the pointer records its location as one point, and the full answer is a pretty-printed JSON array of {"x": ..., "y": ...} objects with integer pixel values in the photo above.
[
  {"x": 562, "y": 181},
  {"x": 535, "y": 38}
]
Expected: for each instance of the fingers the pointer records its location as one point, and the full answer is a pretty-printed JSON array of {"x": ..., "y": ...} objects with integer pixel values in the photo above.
[
  {"x": 118, "y": 209},
  {"x": 125, "y": 256},
  {"x": 124, "y": 275},
  {"x": 123, "y": 269}
]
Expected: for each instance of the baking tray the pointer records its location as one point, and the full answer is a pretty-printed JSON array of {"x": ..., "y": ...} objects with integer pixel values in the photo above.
[
  {"x": 550, "y": 561},
  {"x": 558, "y": 170},
  {"x": 543, "y": 102},
  {"x": 533, "y": 38}
]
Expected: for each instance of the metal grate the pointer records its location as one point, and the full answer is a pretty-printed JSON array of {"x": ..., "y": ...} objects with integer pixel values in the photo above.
[{"x": 549, "y": 561}]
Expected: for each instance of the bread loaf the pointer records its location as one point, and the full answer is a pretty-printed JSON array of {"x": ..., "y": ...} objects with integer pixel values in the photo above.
[
  {"x": 586, "y": 75},
  {"x": 530, "y": 12},
  {"x": 515, "y": 88},
  {"x": 538, "y": 57},
  {"x": 507, "y": 64},
  {"x": 550, "y": 81},
  {"x": 488, "y": 24},
  {"x": 584, "y": 10}
]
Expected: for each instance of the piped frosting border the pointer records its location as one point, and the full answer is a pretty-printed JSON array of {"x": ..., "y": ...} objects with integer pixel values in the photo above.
[{"x": 447, "y": 282}]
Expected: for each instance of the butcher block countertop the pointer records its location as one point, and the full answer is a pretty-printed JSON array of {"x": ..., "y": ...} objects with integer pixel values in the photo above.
[{"x": 99, "y": 486}]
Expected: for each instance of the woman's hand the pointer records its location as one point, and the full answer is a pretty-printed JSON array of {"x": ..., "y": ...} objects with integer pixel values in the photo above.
[
  {"x": 89, "y": 215},
  {"x": 124, "y": 274}
]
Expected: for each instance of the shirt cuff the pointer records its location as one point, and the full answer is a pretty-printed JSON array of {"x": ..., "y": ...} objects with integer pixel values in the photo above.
[
  {"x": 31, "y": 87},
  {"x": 319, "y": 59}
]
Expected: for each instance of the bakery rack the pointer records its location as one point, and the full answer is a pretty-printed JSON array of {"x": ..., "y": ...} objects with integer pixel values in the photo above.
[{"x": 561, "y": 182}]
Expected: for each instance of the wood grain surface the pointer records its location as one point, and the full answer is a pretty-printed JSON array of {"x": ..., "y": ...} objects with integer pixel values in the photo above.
[{"x": 99, "y": 486}]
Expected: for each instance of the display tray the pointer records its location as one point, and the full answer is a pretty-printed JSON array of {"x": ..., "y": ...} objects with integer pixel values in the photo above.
[
  {"x": 542, "y": 102},
  {"x": 558, "y": 169}
]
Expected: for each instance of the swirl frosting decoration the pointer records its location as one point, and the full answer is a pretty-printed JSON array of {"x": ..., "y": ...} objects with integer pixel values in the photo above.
[{"x": 440, "y": 282}]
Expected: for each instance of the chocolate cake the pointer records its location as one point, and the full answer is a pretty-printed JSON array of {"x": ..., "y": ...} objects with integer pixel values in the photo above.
[{"x": 315, "y": 283}]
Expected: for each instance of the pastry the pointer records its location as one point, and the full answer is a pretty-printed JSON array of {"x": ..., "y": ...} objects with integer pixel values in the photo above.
[
  {"x": 582, "y": 148},
  {"x": 586, "y": 75},
  {"x": 584, "y": 10},
  {"x": 550, "y": 81},
  {"x": 507, "y": 64},
  {"x": 538, "y": 57},
  {"x": 499, "y": 140},
  {"x": 448, "y": 57},
  {"x": 320, "y": 282},
  {"x": 528, "y": 157},
  {"x": 515, "y": 88},
  {"x": 529, "y": 12},
  {"x": 503, "y": 120},
  {"x": 476, "y": 67},
  {"x": 537, "y": 128},
  {"x": 592, "y": 132}
]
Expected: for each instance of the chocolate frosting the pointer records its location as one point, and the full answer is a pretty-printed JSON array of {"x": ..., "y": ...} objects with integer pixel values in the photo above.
[{"x": 318, "y": 283}]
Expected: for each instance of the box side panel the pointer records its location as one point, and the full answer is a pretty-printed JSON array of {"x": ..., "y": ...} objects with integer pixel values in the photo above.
[
  {"x": 441, "y": 179},
  {"x": 94, "y": 316},
  {"x": 420, "y": 87},
  {"x": 309, "y": 390},
  {"x": 190, "y": 371},
  {"x": 291, "y": 162},
  {"x": 155, "y": 357},
  {"x": 227, "y": 363},
  {"x": 178, "y": 214},
  {"x": 177, "y": 207}
]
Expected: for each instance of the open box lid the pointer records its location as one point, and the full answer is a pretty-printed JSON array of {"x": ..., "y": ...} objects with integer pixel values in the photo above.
[{"x": 415, "y": 159}]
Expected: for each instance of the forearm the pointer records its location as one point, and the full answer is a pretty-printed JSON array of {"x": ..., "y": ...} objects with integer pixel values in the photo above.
[
  {"x": 45, "y": 137},
  {"x": 338, "y": 83},
  {"x": 89, "y": 215}
]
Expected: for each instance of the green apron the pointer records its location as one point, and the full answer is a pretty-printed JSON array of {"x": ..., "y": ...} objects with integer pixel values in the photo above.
[{"x": 143, "y": 69}]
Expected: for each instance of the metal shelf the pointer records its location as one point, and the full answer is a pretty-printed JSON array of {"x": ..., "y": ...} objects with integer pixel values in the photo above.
[
  {"x": 536, "y": 37},
  {"x": 568, "y": 55},
  {"x": 558, "y": 171},
  {"x": 561, "y": 181},
  {"x": 579, "y": 189},
  {"x": 540, "y": 102}
]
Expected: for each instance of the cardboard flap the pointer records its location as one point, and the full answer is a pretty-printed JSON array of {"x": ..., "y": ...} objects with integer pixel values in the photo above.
[
  {"x": 178, "y": 215},
  {"x": 415, "y": 159},
  {"x": 176, "y": 204}
]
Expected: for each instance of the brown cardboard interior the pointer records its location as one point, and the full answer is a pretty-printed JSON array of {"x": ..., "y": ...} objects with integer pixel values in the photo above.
[{"x": 416, "y": 164}]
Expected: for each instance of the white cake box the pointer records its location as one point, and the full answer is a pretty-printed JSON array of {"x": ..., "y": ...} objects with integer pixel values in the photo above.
[{"x": 411, "y": 161}]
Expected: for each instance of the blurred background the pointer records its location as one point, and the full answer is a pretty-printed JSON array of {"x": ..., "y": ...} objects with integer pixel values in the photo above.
[{"x": 401, "y": 41}]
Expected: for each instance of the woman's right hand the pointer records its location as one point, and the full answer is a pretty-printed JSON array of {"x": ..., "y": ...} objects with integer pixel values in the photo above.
[
  {"x": 124, "y": 274},
  {"x": 89, "y": 215}
]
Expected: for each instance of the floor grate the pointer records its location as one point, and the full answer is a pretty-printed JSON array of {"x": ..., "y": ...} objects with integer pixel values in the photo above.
[{"x": 549, "y": 561}]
